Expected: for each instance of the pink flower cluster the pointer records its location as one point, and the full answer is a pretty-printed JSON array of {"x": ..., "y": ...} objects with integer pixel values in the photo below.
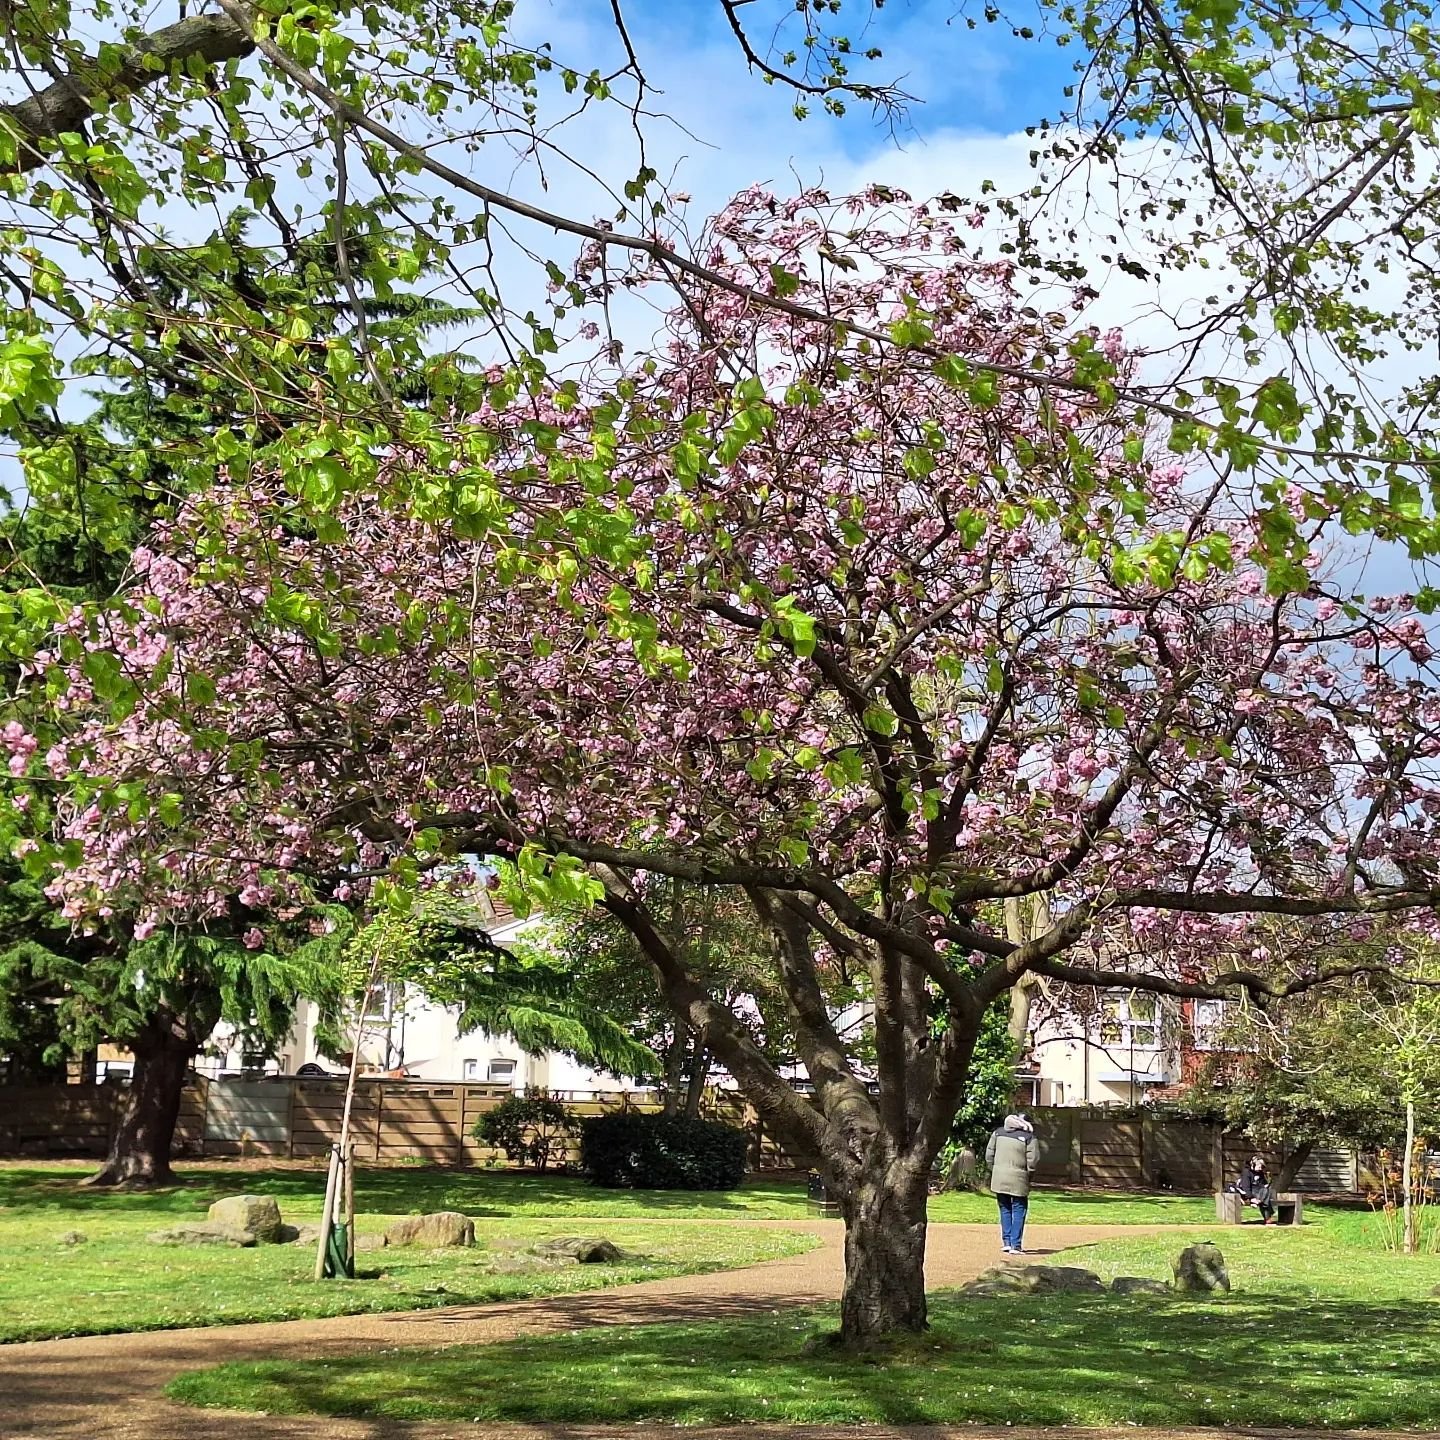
[{"x": 881, "y": 640}]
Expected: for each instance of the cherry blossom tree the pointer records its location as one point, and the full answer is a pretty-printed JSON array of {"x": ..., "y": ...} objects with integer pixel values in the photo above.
[{"x": 877, "y": 647}]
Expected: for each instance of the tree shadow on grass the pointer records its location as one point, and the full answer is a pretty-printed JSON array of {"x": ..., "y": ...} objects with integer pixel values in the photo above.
[
  {"x": 1058, "y": 1360},
  {"x": 384, "y": 1191}
]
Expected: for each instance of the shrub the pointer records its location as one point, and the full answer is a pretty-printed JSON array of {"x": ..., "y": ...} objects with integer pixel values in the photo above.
[
  {"x": 532, "y": 1129},
  {"x": 632, "y": 1150}
]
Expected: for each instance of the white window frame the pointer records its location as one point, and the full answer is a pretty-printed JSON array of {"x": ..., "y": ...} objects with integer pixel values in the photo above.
[{"x": 1120, "y": 1029}]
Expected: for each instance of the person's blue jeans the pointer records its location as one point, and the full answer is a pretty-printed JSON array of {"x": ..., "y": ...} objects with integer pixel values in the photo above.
[{"x": 1012, "y": 1219}]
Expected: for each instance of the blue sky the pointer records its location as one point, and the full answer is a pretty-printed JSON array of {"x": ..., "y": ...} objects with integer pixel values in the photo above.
[
  {"x": 730, "y": 128},
  {"x": 983, "y": 79}
]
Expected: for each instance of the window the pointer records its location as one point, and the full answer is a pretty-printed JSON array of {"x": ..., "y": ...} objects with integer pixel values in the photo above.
[
  {"x": 1130, "y": 1022},
  {"x": 470, "y": 1070},
  {"x": 1208, "y": 1022},
  {"x": 502, "y": 1072}
]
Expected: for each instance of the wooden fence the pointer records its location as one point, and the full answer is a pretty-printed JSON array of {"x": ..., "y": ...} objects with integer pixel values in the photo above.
[
  {"x": 81, "y": 1119},
  {"x": 288, "y": 1117},
  {"x": 1149, "y": 1152}
]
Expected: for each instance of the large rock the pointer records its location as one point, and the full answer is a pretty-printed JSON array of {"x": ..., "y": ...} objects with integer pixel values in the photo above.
[
  {"x": 259, "y": 1214},
  {"x": 444, "y": 1230},
  {"x": 584, "y": 1249},
  {"x": 1035, "y": 1280},
  {"x": 1200, "y": 1270},
  {"x": 1069, "y": 1278},
  {"x": 1138, "y": 1285},
  {"x": 202, "y": 1235}
]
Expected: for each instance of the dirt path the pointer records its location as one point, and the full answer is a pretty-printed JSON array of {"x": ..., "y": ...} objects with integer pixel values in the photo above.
[{"x": 110, "y": 1385}]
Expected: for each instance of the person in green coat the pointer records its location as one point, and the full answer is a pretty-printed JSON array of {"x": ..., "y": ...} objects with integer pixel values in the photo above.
[{"x": 1011, "y": 1156}]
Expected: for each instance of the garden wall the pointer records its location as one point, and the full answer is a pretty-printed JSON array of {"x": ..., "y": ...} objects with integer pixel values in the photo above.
[{"x": 287, "y": 1117}]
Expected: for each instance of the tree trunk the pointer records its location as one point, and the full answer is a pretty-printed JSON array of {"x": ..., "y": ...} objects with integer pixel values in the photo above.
[
  {"x": 675, "y": 1066},
  {"x": 1407, "y": 1181},
  {"x": 699, "y": 1074},
  {"x": 1293, "y": 1164},
  {"x": 140, "y": 1151},
  {"x": 1025, "y": 918},
  {"x": 884, "y": 1256}
]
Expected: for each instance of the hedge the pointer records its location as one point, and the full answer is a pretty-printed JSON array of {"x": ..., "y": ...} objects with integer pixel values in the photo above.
[{"x": 628, "y": 1149}]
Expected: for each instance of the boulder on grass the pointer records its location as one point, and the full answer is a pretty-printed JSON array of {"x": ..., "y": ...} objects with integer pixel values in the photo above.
[
  {"x": 1035, "y": 1280},
  {"x": 583, "y": 1249},
  {"x": 259, "y": 1214},
  {"x": 1200, "y": 1270},
  {"x": 1138, "y": 1285},
  {"x": 1070, "y": 1279},
  {"x": 444, "y": 1230},
  {"x": 203, "y": 1235}
]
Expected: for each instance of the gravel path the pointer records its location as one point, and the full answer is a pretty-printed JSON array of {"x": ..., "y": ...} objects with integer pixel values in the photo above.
[{"x": 109, "y": 1386}]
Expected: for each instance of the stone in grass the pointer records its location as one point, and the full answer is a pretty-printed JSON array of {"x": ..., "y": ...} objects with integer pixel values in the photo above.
[
  {"x": 203, "y": 1235},
  {"x": 444, "y": 1230},
  {"x": 259, "y": 1214},
  {"x": 583, "y": 1249},
  {"x": 1138, "y": 1285},
  {"x": 1200, "y": 1270},
  {"x": 71, "y": 1237},
  {"x": 1035, "y": 1280}
]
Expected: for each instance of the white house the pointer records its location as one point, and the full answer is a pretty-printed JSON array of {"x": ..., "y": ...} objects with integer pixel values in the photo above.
[
  {"x": 405, "y": 1033},
  {"x": 1135, "y": 1047}
]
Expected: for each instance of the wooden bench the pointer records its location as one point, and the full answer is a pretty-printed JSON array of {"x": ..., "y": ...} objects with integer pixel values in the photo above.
[{"x": 1230, "y": 1208}]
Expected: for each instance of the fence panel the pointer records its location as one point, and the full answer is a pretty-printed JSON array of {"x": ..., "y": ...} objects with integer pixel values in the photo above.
[
  {"x": 1054, "y": 1132},
  {"x": 1111, "y": 1157},
  {"x": 58, "y": 1119},
  {"x": 248, "y": 1116},
  {"x": 1179, "y": 1155},
  {"x": 1329, "y": 1171},
  {"x": 319, "y": 1109},
  {"x": 420, "y": 1121}
]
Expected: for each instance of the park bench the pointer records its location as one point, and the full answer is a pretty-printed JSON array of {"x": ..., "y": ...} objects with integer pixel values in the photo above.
[{"x": 1230, "y": 1208}]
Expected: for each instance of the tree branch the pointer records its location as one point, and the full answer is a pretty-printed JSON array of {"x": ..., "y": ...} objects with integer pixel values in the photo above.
[
  {"x": 1220, "y": 988},
  {"x": 75, "y": 97},
  {"x": 776, "y": 1099}
]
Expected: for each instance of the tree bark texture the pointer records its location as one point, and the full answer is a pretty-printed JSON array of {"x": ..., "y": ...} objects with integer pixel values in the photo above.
[
  {"x": 699, "y": 1074},
  {"x": 885, "y": 1226},
  {"x": 140, "y": 1151}
]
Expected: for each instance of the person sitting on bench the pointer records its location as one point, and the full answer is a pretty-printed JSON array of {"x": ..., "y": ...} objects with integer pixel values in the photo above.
[{"x": 1254, "y": 1188}]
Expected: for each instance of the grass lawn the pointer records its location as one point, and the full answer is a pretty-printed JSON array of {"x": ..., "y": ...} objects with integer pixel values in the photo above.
[
  {"x": 1323, "y": 1330},
  {"x": 31, "y": 1188},
  {"x": 117, "y": 1280}
]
